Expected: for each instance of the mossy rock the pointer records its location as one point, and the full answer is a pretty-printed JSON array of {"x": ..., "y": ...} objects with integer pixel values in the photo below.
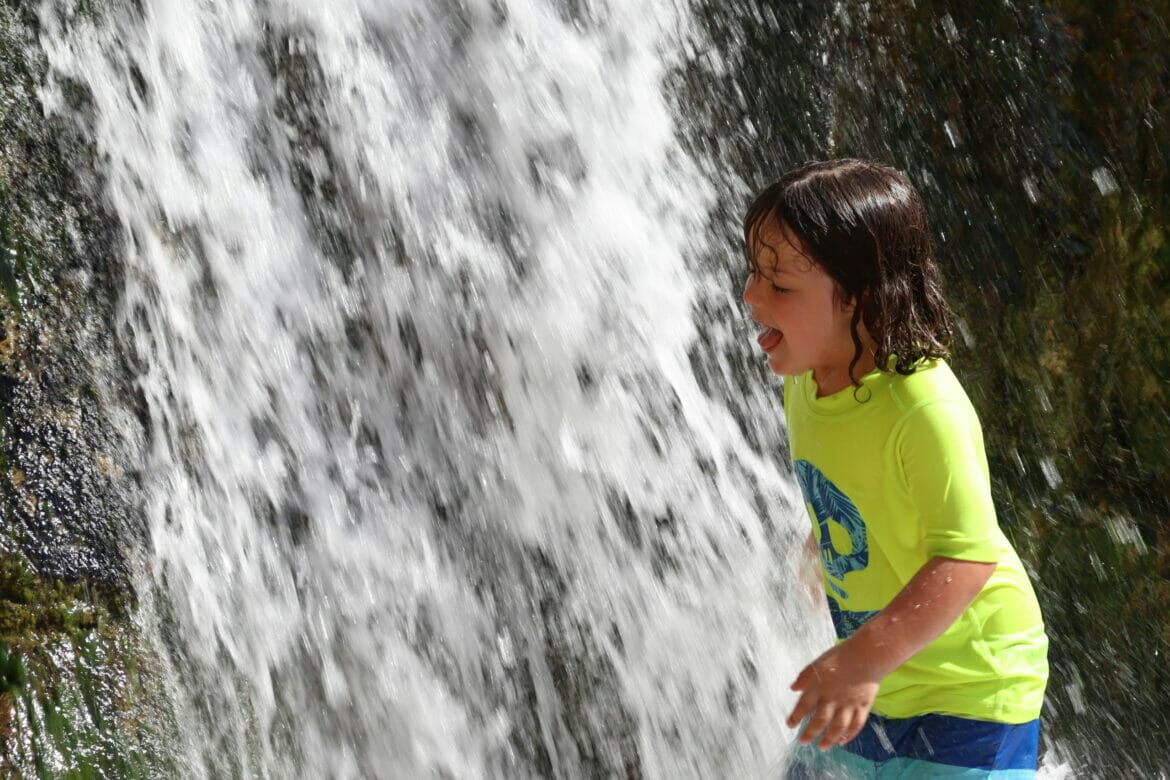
[{"x": 73, "y": 699}]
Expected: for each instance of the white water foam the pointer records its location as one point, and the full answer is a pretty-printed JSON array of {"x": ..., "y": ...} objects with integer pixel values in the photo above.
[{"x": 431, "y": 489}]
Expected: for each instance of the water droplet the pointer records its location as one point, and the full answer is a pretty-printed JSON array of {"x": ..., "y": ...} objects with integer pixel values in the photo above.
[
  {"x": 949, "y": 29},
  {"x": 571, "y": 448},
  {"x": 952, "y": 131},
  {"x": 1019, "y": 461},
  {"x": 1125, "y": 531},
  {"x": 1042, "y": 396},
  {"x": 1051, "y": 475},
  {"x": 965, "y": 332},
  {"x": 1104, "y": 180},
  {"x": 1031, "y": 189},
  {"x": 506, "y": 649},
  {"x": 1076, "y": 696}
]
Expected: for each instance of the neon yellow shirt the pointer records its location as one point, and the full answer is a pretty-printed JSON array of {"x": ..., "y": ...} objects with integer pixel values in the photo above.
[{"x": 892, "y": 477}]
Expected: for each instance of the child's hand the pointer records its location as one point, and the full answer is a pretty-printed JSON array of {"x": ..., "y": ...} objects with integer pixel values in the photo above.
[{"x": 838, "y": 690}]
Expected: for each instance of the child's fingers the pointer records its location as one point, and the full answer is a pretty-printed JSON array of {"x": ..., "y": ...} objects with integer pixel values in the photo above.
[
  {"x": 856, "y": 724},
  {"x": 817, "y": 725},
  {"x": 837, "y": 728},
  {"x": 802, "y": 678},
  {"x": 804, "y": 705}
]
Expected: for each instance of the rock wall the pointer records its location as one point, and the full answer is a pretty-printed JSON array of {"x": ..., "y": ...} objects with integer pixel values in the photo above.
[
  {"x": 1038, "y": 135},
  {"x": 78, "y": 692}
]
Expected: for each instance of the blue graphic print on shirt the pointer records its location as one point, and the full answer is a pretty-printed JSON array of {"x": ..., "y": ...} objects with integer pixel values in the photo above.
[{"x": 829, "y": 504}]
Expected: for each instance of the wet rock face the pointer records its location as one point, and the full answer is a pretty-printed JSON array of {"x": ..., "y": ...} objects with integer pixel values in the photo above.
[
  {"x": 71, "y": 666},
  {"x": 1037, "y": 133},
  {"x": 65, "y": 497}
]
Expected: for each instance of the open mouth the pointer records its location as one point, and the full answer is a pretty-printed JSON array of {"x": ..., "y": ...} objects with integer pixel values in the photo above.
[{"x": 769, "y": 338}]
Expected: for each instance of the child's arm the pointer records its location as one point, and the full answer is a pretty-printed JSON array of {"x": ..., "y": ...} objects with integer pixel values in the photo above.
[
  {"x": 838, "y": 688},
  {"x": 810, "y": 571}
]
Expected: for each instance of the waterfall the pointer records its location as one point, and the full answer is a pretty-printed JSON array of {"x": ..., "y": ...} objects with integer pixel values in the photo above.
[{"x": 430, "y": 486}]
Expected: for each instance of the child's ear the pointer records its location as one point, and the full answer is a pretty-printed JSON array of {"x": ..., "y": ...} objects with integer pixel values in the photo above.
[{"x": 849, "y": 303}]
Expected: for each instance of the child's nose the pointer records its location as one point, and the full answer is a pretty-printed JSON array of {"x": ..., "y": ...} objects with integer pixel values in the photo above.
[{"x": 749, "y": 289}]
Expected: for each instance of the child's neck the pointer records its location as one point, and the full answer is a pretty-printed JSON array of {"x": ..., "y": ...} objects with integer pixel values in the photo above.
[{"x": 835, "y": 379}]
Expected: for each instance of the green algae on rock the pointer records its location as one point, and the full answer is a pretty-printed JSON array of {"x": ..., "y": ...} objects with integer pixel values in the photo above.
[{"x": 73, "y": 699}]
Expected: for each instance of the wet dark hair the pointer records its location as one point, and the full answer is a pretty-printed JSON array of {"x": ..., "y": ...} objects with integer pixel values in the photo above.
[{"x": 865, "y": 225}]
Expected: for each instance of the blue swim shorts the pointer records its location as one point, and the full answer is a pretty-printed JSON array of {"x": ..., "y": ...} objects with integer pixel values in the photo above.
[{"x": 926, "y": 746}]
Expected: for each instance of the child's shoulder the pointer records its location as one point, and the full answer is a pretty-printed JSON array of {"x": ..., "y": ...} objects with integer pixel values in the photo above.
[{"x": 932, "y": 381}]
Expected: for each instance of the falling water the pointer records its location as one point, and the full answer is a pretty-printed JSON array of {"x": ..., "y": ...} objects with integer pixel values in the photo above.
[{"x": 430, "y": 486}]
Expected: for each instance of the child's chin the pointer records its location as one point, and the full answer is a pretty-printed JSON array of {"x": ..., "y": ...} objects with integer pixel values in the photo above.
[{"x": 778, "y": 367}]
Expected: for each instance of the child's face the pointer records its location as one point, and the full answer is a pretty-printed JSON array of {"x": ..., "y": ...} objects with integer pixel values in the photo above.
[{"x": 806, "y": 325}]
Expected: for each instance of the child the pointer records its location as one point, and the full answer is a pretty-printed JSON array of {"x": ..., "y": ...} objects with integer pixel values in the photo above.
[{"x": 938, "y": 627}]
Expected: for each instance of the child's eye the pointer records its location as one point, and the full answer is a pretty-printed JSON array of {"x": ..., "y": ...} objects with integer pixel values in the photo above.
[{"x": 779, "y": 289}]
